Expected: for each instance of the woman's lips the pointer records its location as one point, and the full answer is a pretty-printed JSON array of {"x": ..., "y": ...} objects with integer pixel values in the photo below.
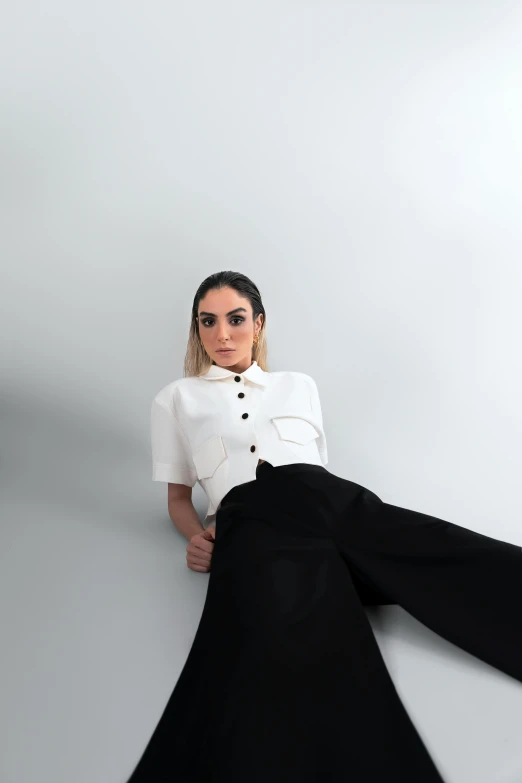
[{"x": 227, "y": 350}]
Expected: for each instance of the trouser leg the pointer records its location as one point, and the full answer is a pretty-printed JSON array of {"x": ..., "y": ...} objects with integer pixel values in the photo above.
[
  {"x": 308, "y": 697},
  {"x": 464, "y": 585}
]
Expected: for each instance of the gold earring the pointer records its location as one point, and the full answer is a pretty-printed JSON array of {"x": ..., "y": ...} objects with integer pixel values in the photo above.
[{"x": 256, "y": 339}]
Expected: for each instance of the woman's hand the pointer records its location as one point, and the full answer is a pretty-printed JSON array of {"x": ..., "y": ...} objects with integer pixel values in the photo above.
[{"x": 199, "y": 549}]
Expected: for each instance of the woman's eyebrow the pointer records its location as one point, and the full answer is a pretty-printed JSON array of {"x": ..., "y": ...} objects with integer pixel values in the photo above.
[{"x": 237, "y": 310}]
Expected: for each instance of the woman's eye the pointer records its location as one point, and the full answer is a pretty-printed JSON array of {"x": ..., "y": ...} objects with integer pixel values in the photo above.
[{"x": 236, "y": 318}]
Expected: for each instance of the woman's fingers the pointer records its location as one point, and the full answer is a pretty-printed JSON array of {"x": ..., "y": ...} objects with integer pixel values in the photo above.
[
  {"x": 199, "y": 553},
  {"x": 198, "y": 542},
  {"x": 192, "y": 558}
]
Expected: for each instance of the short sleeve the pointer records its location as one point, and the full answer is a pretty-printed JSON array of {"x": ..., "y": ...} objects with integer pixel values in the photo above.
[
  {"x": 318, "y": 416},
  {"x": 171, "y": 457}
]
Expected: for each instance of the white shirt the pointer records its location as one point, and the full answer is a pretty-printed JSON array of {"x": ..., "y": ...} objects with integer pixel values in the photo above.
[{"x": 213, "y": 428}]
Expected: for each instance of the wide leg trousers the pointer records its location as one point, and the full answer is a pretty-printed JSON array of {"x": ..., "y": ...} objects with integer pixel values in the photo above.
[{"x": 285, "y": 681}]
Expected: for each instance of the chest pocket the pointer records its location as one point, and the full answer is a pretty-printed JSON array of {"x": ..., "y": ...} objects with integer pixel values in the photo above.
[
  {"x": 295, "y": 429},
  {"x": 209, "y": 456},
  {"x": 212, "y": 465}
]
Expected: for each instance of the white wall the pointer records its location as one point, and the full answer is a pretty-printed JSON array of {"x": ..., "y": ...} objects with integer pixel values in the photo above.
[{"x": 362, "y": 162}]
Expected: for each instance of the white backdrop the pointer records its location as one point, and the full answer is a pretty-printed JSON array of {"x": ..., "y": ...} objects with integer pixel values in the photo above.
[{"x": 362, "y": 162}]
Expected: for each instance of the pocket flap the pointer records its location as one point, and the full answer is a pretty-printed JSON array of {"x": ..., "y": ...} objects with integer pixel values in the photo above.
[
  {"x": 295, "y": 429},
  {"x": 209, "y": 456}
]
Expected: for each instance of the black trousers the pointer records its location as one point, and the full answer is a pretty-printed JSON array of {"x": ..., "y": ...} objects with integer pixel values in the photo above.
[{"x": 285, "y": 681}]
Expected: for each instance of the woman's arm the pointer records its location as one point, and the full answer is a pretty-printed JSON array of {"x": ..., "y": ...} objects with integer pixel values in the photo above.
[
  {"x": 182, "y": 511},
  {"x": 185, "y": 517}
]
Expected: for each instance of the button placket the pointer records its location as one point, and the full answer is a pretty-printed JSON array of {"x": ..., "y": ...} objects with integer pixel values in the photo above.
[{"x": 241, "y": 395}]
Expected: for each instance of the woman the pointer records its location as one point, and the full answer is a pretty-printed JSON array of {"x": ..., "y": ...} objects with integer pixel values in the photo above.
[{"x": 285, "y": 680}]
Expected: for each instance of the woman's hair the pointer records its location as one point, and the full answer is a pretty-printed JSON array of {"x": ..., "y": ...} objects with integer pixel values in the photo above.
[{"x": 197, "y": 361}]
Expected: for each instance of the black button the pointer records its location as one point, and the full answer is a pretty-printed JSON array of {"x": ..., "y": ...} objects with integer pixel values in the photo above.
[
  {"x": 237, "y": 378},
  {"x": 245, "y": 416},
  {"x": 252, "y": 448},
  {"x": 241, "y": 394}
]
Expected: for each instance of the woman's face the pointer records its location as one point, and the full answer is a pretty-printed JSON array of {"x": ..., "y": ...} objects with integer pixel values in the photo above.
[{"x": 225, "y": 320}]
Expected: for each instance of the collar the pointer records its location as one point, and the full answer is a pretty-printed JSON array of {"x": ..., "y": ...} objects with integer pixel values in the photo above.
[{"x": 253, "y": 373}]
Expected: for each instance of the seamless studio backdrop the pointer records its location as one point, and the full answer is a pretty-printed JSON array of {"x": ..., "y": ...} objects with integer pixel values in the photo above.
[{"x": 362, "y": 162}]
